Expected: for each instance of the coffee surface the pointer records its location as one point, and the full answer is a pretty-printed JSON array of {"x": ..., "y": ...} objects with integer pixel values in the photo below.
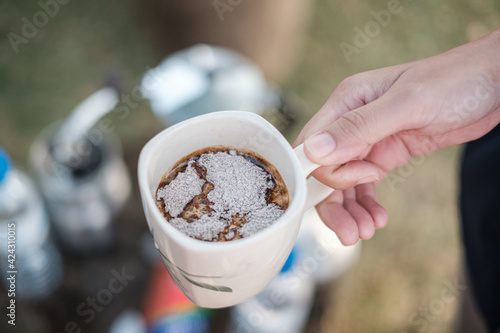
[{"x": 221, "y": 194}]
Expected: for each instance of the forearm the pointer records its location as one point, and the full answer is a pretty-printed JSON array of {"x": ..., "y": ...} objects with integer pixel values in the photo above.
[
  {"x": 492, "y": 41},
  {"x": 477, "y": 66},
  {"x": 489, "y": 48}
]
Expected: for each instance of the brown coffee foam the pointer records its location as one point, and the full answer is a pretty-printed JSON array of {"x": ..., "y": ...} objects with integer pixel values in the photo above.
[{"x": 200, "y": 204}]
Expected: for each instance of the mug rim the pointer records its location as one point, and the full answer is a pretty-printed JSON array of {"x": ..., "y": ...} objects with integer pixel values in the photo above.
[{"x": 295, "y": 206}]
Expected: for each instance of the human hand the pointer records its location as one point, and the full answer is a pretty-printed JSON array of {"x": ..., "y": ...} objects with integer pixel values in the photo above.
[{"x": 378, "y": 120}]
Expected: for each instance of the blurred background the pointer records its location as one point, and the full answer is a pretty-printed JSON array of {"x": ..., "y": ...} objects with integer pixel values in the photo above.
[{"x": 397, "y": 282}]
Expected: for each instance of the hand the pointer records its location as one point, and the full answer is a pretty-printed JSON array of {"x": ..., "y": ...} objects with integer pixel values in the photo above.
[{"x": 378, "y": 120}]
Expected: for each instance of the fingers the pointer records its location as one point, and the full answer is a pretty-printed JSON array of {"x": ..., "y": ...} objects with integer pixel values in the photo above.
[
  {"x": 366, "y": 197},
  {"x": 337, "y": 218},
  {"x": 353, "y": 214},
  {"x": 366, "y": 227},
  {"x": 352, "y": 93},
  {"x": 332, "y": 110},
  {"x": 357, "y": 130},
  {"x": 349, "y": 175}
]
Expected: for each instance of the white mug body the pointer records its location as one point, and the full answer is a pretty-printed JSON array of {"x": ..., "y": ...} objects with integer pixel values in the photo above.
[{"x": 221, "y": 274}]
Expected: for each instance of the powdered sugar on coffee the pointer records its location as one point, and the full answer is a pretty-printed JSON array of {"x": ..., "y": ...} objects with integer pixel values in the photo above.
[
  {"x": 237, "y": 193},
  {"x": 181, "y": 191}
]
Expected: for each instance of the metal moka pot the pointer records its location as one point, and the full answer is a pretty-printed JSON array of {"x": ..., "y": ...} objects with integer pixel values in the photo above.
[
  {"x": 82, "y": 176},
  {"x": 205, "y": 78}
]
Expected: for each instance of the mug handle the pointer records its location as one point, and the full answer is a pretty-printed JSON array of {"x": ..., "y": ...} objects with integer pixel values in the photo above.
[{"x": 316, "y": 191}]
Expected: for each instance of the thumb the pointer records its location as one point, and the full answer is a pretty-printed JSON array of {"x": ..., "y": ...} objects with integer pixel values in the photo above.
[{"x": 350, "y": 135}]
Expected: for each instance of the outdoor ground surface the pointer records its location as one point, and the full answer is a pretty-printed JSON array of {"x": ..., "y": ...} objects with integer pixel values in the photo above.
[{"x": 398, "y": 281}]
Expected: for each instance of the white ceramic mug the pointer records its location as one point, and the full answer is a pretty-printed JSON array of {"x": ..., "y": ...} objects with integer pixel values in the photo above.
[{"x": 221, "y": 274}]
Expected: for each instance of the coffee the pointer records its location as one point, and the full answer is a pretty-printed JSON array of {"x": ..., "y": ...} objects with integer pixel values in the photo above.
[{"x": 221, "y": 193}]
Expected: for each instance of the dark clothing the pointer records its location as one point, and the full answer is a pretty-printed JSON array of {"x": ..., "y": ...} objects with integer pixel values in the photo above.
[{"x": 480, "y": 217}]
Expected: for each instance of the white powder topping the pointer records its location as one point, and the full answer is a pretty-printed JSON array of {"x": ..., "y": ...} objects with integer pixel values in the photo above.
[
  {"x": 260, "y": 219},
  {"x": 239, "y": 188},
  {"x": 180, "y": 191},
  {"x": 239, "y": 185},
  {"x": 205, "y": 228}
]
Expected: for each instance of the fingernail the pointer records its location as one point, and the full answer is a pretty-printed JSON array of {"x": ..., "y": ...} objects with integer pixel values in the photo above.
[
  {"x": 366, "y": 180},
  {"x": 320, "y": 144}
]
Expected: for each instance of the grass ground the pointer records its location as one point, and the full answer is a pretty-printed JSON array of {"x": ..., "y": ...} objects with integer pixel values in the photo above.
[{"x": 396, "y": 285}]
